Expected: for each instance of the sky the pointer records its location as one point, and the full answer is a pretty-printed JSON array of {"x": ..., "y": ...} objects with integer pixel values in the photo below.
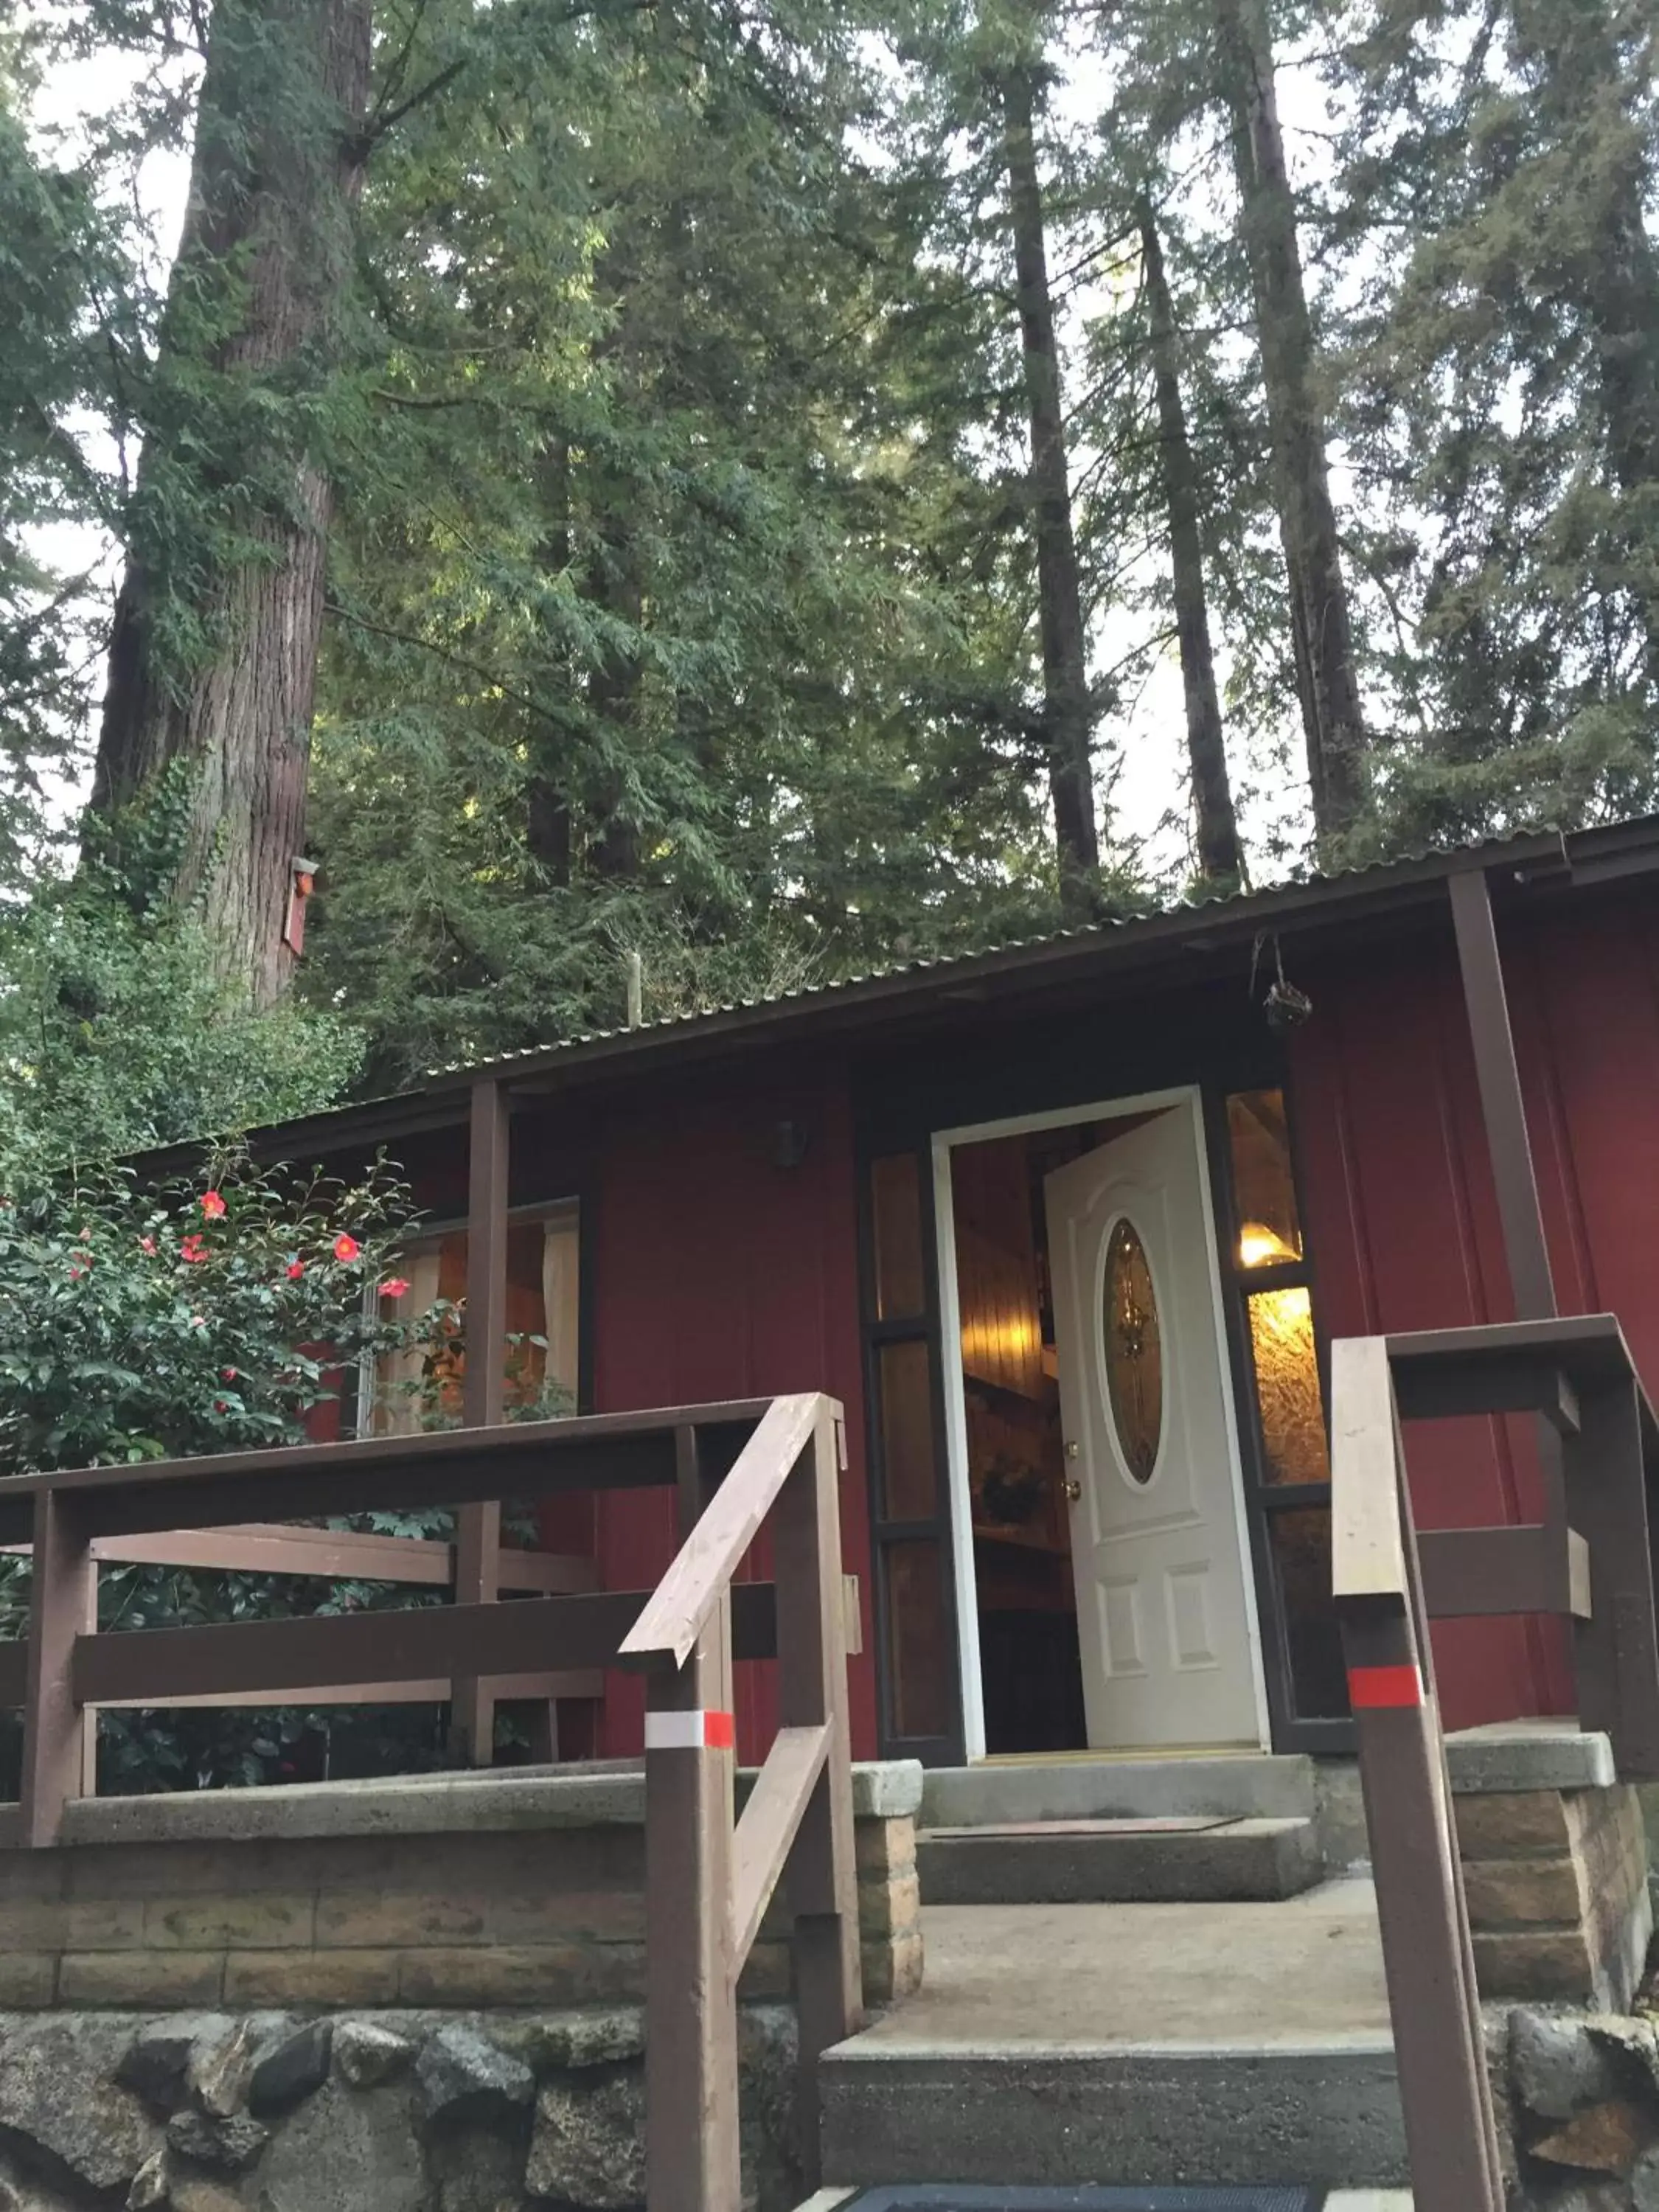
[{"x": 1142, "y": 745}]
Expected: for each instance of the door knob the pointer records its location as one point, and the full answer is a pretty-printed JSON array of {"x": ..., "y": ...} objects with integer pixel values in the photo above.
[{"x": 1073, "y": 1488}]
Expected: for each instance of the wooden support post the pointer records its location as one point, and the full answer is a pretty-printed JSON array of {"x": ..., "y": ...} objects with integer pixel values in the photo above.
[
  {"x": 821, "y": 1878},
  {"x": 478, "y": 1527},
  {"x": 1616, "y": 1651},
  {"x": 62, "y": 1606},
  {"x": 1502, "y": 1104},
  {"x": 690, "y": 2005}
]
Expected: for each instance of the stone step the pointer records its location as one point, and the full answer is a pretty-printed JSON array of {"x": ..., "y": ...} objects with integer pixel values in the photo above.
[
  {"x": 1246, "y": 1785},
  {"x": 1321, "y": 2117},
  {"x": 1144, "y": 2045},
  {"x": 1109, "y": 1863}
]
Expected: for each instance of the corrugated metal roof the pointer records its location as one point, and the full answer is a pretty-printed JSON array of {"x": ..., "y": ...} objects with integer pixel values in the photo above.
[
  {"x": 1313, "y": 899},
  {"x": 1212, "y": 904}
]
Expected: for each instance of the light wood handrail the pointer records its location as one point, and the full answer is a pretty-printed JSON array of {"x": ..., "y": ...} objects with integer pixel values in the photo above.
[
  {"x": 667, "y": 1630},
  {"x": 1591, "y": 1560}
]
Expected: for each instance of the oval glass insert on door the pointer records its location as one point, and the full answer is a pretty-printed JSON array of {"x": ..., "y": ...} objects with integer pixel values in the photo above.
[{"x": 1132, "y": 1344}]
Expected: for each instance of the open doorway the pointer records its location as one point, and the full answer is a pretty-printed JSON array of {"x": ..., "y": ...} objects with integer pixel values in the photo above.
[{"x": 1095, "y": 1466}]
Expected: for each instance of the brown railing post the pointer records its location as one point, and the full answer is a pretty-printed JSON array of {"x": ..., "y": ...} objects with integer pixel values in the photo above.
[
  {"x": 1616, "y": 1649},
  {"x": 62, "y": 1606},
  {"x": 821, "y": 1879},
  {"x": 478, "y": 1527},
  {"x": 690, "y": 2005},
  {"x": 1427, "y": 1955}
]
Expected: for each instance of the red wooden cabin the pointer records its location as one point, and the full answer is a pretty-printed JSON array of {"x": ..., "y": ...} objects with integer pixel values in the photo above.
[{"x": 1067, "y": 1228}]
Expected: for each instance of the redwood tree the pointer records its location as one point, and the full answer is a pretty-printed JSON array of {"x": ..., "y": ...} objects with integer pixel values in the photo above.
[
  {"x": 1068, "y": 712},
  {"x": 1321, "y": 631},
  {"x": 213, "y": 656},
  {"x": 1220, "y": 856}
]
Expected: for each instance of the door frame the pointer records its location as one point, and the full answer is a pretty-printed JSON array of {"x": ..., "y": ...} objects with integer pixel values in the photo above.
[{"x": 942, "y": 1143}]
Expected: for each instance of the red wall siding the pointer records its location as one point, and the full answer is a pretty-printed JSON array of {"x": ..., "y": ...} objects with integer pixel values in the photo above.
[
  {"x": 1403, "y": 1222},
  {"x": 719, "y": 1274}
]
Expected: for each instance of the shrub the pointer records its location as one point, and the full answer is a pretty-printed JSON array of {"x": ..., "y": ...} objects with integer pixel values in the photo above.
[{"x": 219, "y": 1315}]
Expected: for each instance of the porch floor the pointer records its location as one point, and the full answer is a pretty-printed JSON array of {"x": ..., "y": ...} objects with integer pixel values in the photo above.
[{"x": 1304, "y": 1972}]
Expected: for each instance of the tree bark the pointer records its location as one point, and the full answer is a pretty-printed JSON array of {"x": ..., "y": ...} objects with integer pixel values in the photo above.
[
  {"x": 253, "y": 301},
  {"x": 1327, "y": 681},
  {"x": 1068, "y": 714},
  {"x": 1220, "y": 857},
  {"x": 548, "y": 825}
]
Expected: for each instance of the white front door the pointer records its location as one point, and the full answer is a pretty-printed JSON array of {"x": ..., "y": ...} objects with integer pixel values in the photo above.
[{"x": 1164, "y": 1616}]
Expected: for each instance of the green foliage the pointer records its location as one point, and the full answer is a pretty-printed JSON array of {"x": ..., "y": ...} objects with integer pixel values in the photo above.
[
  {"x": 118, "y": 1032},
  {"x": 217, "y": 1315}
]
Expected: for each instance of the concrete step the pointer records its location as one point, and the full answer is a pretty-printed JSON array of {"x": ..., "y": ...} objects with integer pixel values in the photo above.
[
  {"x": 1247, "y": 1785},
  {"x": 1146, "y": 2046},
  {"x": 1109, "y": 1863}
]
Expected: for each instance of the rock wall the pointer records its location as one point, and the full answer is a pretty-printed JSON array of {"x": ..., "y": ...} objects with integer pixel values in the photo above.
[
  {"x": 371, "y": 2112},
  {"x": 1579, "y": 2095}
]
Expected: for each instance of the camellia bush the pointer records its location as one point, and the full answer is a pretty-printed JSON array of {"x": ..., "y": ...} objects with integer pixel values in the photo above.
[
  {"x": 137, "y": 1326},
  {"x": 231, "y": 1312}
]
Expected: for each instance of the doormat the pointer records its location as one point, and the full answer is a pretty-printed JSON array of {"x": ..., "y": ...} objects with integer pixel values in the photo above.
[
  {"x": 1173, "y": 1824},
  {"x": 940, "y": 2196}
]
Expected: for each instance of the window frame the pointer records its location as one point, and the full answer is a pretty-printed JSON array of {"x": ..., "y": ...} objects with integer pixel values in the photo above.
[
  {"x": 1322, "y": 1734},
  {"x": 431, "y": 1233}
]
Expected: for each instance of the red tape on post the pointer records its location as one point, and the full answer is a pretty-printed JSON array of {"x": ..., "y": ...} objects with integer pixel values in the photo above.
[
  {"x": 693, "y": 1731},
  {"x": 1373, "y": 1689}
]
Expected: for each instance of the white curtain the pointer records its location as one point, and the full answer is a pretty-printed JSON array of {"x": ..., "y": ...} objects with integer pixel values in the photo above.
[{"x": 396, "y": 1409}]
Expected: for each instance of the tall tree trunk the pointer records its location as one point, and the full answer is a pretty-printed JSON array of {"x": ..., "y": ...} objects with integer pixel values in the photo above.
[
  {"x": 1220, "y": 857},
  {"x": 1067, "y": 713},
  {"x": 1323, "y": 632},
  {"x": 253, "y": 302},
  {"x": 613, "y": 696},
  {"x": 548, "y": 829}
]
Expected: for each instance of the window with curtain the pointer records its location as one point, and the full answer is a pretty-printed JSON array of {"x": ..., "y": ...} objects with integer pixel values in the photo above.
[{"x": 422, "y": 1388}]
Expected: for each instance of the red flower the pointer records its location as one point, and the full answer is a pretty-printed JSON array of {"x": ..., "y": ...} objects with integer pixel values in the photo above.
[
  {"x": 212, "y": 1206},
  {"x": 346, "y": 1248},
  {"x": 294, "y": 1269},
  {"x": 74, "y": 1272},
  {"x": 226, "y": 1374},
  {"x": 147, "y": 1244},
  {"x": 193, "y": 1249},
  {"x": 220, "y": 1407},
  {"x": 396, "y": 1288}
]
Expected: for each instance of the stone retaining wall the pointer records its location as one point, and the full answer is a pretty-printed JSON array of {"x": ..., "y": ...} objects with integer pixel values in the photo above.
[
  {"x": 381, "y": 2111},
  {"x": 509, "y": 1890},
  {"x": 1555, "y": 1865}
]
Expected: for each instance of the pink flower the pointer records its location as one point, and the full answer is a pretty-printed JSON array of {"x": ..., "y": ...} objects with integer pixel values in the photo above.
[
  {"x": 74, "y": 1272},
  {"x": 192, "y": 1250},
  {"x": 199, "y": 1321},
  {"x": 294, "y": 1269},
  {"x": 212, "y": 1206},
  {"x": 346, "y": 1248},
  {"x": 147, "y": 1244},
  {"x": 396, "y": 1288}
]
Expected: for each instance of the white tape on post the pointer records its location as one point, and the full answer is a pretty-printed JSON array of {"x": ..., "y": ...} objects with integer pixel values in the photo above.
[{"x": 696, "y": 1731}]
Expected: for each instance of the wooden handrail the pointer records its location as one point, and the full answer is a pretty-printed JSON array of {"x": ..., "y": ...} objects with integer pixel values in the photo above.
[
  {"x": 1591, "y": 1560},
  {"x": 270, "y": 1548},
  {"x": 736, "y": 1468},
  {"x": 1427, "y": 1954},
  {"x": 708, "y": 1884},
  {"x": 678, "y": 1611}
]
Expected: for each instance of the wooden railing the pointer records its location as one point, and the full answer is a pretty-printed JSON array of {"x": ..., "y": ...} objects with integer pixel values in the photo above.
[
  {"x": 733, "y": 1468},
  {"x": 1591, "y": 1559}
]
